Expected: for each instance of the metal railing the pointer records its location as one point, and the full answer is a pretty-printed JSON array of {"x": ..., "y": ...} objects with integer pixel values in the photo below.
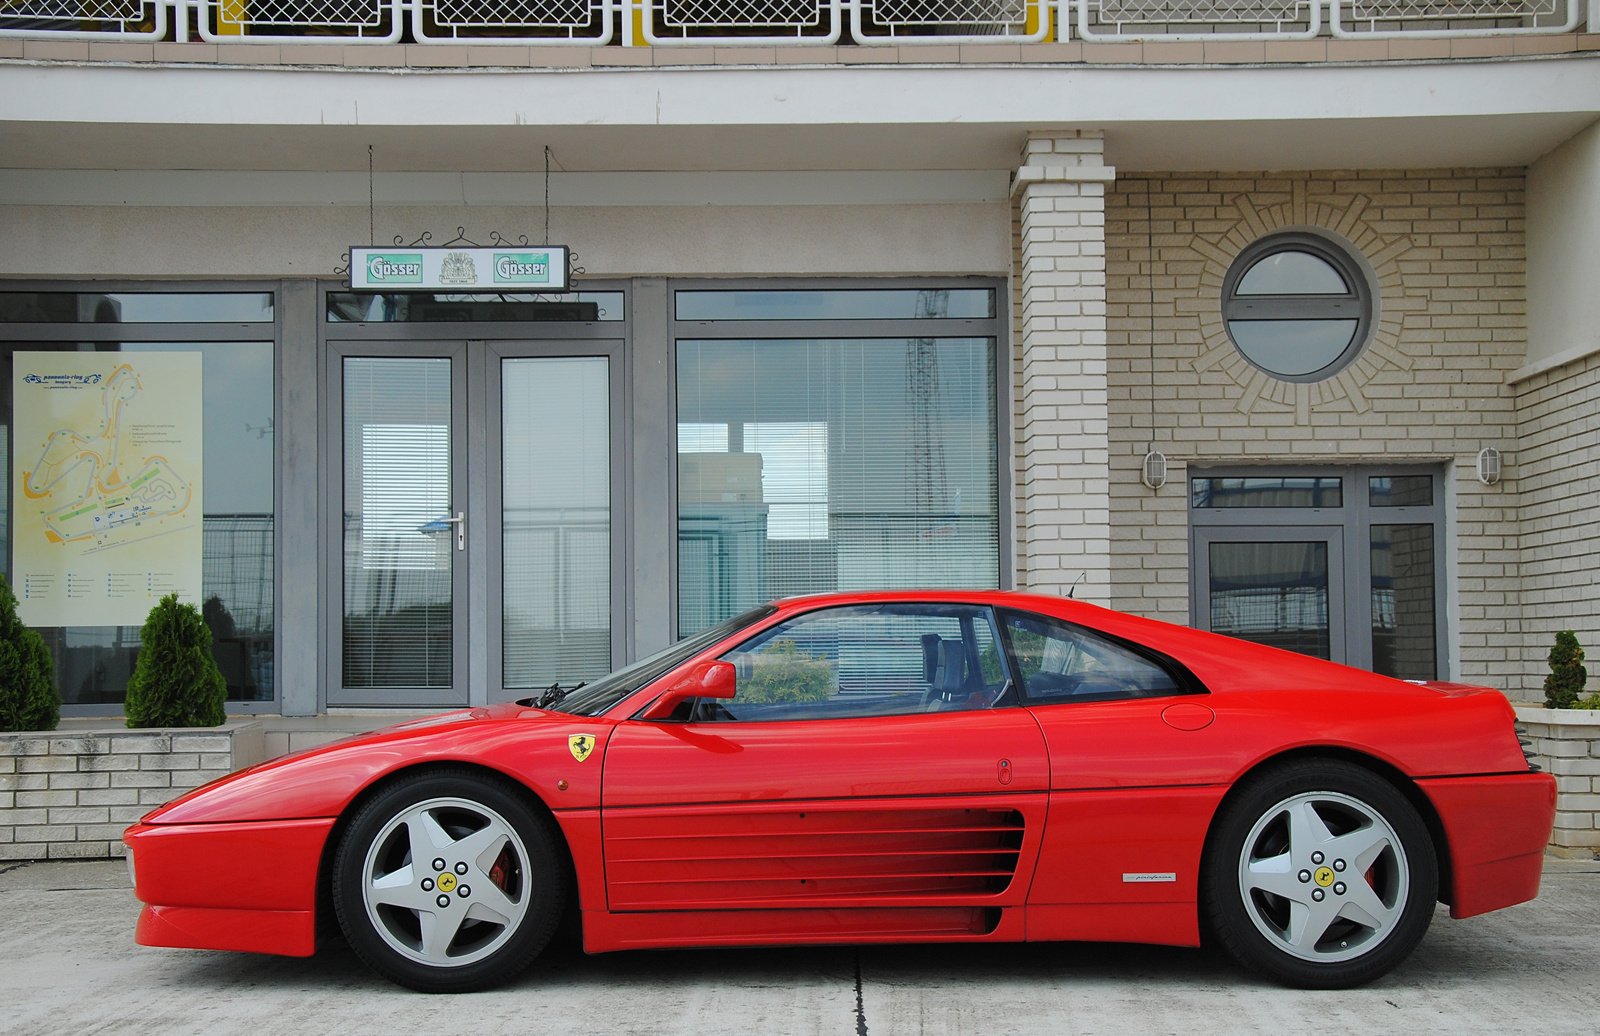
[{"x": 771, "y": 23}]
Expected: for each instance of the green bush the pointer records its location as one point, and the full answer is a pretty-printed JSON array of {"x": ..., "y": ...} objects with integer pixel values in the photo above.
[
  {"x": 1567, "y": 674},
  {"x": 28, "y": 696},
  {"x": 175, "y": 682},
  {"x": 784, "y": 673}
]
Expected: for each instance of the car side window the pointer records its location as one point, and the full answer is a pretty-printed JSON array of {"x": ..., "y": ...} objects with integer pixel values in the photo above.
[
  {"x": 1056, "y": 661},
  {"x": 867, "y": 660}
]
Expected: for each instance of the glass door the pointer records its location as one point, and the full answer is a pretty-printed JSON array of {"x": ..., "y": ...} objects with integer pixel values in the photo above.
[
  {"x": 1280, "y": 587},
  {"x": 401, "y": 632},
  {"x": 552, "y": 481}
]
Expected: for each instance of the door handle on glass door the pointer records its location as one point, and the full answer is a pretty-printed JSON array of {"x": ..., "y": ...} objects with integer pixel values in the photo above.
[{"x": 459, "y": 521}]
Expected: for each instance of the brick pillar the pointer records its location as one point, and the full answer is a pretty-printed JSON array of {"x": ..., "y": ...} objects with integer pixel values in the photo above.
[{"x": 1063, "y": 502}]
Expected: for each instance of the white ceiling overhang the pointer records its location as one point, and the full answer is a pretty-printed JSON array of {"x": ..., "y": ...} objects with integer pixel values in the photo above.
[{"x": 936, "y": 117}]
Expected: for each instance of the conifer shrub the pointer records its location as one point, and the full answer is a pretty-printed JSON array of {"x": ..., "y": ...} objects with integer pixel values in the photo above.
[
  {"x": 175, "y": 682},
  {"x": 28, "y": 696},
  {"x": 1567, "y": 674}
]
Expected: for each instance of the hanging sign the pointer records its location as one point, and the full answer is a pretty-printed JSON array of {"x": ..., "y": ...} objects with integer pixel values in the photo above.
[
  {"x": 520, "y": 268},
  {"x": 106, "y": 485}
]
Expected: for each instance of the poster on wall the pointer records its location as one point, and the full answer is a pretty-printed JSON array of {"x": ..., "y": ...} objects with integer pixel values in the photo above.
[{"x": 106, "y": 485}]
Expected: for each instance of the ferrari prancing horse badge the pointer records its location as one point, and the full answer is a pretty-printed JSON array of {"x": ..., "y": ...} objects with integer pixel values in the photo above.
[{"x": 581, "y": 745}]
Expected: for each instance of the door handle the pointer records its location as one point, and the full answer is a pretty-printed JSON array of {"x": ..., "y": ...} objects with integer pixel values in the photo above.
[{"x": 459, "y": 521}]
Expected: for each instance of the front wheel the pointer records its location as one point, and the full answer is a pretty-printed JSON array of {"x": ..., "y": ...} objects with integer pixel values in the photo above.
[
  {"x": 1320, "y": 874},
  {"x": 448, "y": 882}
]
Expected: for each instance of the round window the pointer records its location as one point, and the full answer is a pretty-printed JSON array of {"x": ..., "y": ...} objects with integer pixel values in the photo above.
[{"x": 1298, "y": 306}]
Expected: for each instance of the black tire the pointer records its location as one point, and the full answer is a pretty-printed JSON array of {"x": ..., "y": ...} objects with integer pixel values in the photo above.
[
  {"x": 476, "y": 943},
  {"x": 1398, "y": 875}
]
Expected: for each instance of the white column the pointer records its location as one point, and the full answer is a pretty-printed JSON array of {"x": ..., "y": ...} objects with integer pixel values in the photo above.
[{"x": 1063, "y": 502}]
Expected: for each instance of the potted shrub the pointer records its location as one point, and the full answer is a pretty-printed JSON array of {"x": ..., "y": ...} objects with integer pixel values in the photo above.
[
  {"x": 28, "y": 696},
  {"x": 1564, "y": 685},
  {"x": 175, "y": 681}
]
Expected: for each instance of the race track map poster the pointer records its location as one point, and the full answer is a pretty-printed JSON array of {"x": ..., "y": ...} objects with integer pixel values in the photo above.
[{"x": 106, "y": 484}]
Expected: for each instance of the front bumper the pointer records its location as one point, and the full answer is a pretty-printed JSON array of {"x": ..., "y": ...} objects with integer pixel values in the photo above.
[
  {"x": 1497, "y": 828},
  {"x": 246, "y": 886}
]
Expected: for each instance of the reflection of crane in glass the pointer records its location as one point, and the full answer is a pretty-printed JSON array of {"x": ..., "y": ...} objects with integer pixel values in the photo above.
[{"x": 927, "y": 491}]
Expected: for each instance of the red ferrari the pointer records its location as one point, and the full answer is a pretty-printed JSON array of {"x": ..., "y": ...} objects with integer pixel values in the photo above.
[{"x": 885, "y": 767}]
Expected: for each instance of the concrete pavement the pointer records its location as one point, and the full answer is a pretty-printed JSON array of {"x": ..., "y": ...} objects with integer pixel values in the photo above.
[{"x": 70, "y": 966}]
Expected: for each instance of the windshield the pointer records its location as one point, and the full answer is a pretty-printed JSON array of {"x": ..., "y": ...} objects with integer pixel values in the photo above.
[{"x": 608, "y": 690}]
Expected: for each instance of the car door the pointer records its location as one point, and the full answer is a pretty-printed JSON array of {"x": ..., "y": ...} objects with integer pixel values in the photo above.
[
  {"x": 1135, "y": 755},
  {"x": 873, "y": 762}
]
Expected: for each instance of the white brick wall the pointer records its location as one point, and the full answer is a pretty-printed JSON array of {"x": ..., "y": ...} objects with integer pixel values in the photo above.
[
  {"x": 1447, "y": 248},
  {"x": 1566, "y": 744},
  {"x": 1558, "y": 470},
  {"x": 1063, "y": 512},
  {"x": 71, "y": 795}
]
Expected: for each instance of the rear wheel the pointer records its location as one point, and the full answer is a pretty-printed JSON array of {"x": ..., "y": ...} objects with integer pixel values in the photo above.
[
  {"x": 1320, "y": 874},
  {"x": 448, "y": 882}
]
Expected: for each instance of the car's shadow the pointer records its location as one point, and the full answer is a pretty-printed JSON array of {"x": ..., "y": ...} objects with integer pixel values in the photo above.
[{"x": 1446, "y": 957}]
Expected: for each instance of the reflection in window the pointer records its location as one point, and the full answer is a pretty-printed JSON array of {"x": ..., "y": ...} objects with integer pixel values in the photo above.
[
  {"x": 849, "y": 464},
  {"x": 1292, "y": 273},
  {"x": 424, "y": 307},
  {"x": 67, "y": 307},
  {"x": 398, "y": 549},
  {"x": 840, "y": 304},
  {"x": 1297, "y": 306},
  {"x": 237, "y": 582},
  {"x": 876, "y": 660},
  {"x": 1272, "y": 593},
  {"x": 1404, "y": 631},
  {"x": 1267, "y": 492},
  {"x": 1060, "y": 662},
  {"x": 1400, "y": 490}
]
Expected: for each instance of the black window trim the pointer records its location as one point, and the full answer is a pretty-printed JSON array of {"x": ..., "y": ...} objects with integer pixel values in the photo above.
[{"x": 1187, "y": 683}]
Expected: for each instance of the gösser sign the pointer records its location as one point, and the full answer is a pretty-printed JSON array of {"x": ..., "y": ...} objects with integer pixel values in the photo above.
[{"x": 522, "y": 268}]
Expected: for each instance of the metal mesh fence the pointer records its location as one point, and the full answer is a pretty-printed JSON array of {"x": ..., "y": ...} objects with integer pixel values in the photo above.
[
  {"x": 977, "y": 15},
  {"x": 1449, "y": 10},
  {"x": 72, "y": 10},
  {"x": 1109, "y": 16},
  {"x": 358, "y": 17},
  {"x": 742, "y": 14},
  {"x": 513, "y": 14}
]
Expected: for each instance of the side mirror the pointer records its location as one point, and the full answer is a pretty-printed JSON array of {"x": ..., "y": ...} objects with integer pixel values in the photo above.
[{"x": 706, "y": 680}]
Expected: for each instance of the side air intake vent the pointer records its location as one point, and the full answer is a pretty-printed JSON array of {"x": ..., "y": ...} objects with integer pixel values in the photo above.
[{"x": 1527, "y": 746}]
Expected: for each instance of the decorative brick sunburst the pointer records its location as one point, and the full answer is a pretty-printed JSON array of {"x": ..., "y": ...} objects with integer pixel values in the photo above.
[{"x": 1300, "y": 212}]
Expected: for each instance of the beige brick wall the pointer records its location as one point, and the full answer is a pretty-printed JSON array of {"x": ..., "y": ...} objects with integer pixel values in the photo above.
[
  {"x": 1558, "y": 471},
  {"x": 1447, "y": 247}
]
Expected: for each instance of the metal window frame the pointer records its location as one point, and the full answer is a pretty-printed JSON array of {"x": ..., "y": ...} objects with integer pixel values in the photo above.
[
  {"x": 1344, "y": 257},
  {"x": 176, "y": 332},
  {"x": 1355, "y": 517},
  {"x": 998, "y": 328},
  {"x": 481, "y": 342}
]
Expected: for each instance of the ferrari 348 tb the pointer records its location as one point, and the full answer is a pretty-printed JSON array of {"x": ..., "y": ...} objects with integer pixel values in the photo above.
[{"x": 885, "y": 767}]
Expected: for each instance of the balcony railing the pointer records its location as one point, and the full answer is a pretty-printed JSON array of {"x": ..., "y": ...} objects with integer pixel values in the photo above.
[{"x": 771, "y": 23}]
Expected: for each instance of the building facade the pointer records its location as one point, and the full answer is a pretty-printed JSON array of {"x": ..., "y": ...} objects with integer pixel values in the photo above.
[{"x": 1283, "y": 327}]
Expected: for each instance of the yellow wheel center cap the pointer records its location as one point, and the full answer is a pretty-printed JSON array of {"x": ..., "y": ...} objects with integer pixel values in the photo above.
[
  {"x": 1324, "y": 877},
  {"x": 447, "y": 881}
]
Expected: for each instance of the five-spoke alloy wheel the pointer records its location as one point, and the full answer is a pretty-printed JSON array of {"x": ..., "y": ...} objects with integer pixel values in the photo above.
[
  {"x": 447, "y": 882},
  {"x": 1320, "y": 874}
]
